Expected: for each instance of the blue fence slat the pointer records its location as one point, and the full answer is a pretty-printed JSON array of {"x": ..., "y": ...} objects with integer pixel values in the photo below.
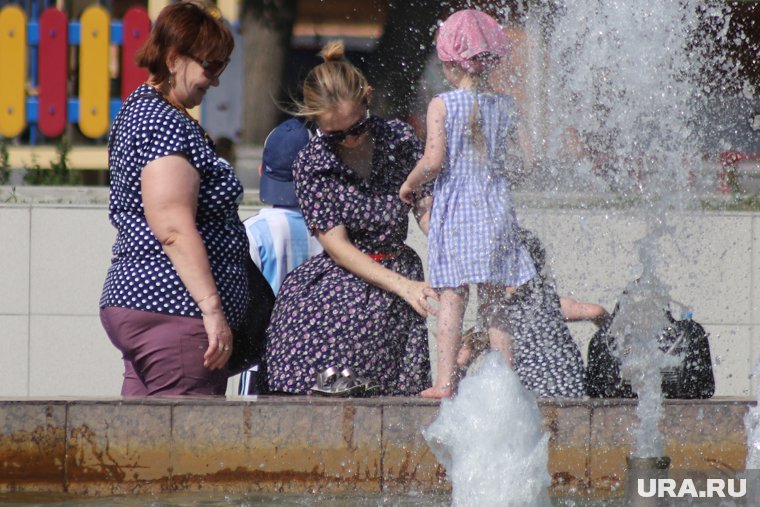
[
  {"x": 32, "y": 109},
  {"x": 117, "y": 32},
  {"x": 32, "y": 32},
  {"x": 72, "y": 110},
  {"x": 74, "y": 33},
  {"x": 72, "y": 106},
  {"x": 114, "y": 106}
]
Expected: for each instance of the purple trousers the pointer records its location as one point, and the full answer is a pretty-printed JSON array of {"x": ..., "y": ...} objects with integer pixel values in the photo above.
[{"x": 163, "y": 354}]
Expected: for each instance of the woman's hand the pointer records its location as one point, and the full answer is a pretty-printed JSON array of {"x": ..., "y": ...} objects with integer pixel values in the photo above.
[
  {"x": 417, "y": 295},
  {"x": 219, "y": 340}
]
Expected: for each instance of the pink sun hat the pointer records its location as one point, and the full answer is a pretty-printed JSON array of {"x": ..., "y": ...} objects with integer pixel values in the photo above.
[{"x": 467, "y": 34}]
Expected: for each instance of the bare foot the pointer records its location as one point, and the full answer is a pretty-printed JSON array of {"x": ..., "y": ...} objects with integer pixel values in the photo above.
[
  {"x": 438, "y": 392},
  {"x": 465, "y": 354}
]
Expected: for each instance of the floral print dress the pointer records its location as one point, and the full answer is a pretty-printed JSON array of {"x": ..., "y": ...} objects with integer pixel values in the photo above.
[
  {"x": 546, "y": 358},
  {"x": 325, "y": 315}
]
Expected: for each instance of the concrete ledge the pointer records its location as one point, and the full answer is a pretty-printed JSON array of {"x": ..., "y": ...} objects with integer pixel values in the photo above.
[
  {"x": 307, "y": 444},
  {"x": 41, "y": 195}
]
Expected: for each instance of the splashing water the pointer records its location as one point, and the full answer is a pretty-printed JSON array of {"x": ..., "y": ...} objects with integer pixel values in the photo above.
[
  {"x": 752, "y": 426},
  {"x": 490, "y": 439},
  {"x": 625, "y": 80},
  {"x": 638, "y": 324},
  {"x": 624, "y": 76}
]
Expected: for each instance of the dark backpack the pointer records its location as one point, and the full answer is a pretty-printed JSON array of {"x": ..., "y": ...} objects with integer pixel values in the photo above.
[
  {"x": 249, "y": 339},
  {"x": 691, "y": 379}
]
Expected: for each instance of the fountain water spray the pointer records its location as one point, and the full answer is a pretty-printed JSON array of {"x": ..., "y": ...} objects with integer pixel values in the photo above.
[
  {"x": 624, "y": 77},
  {"x": 638, "y": 324},
  {"x": 626, "y": 81},
  {"x": 490, "y": 438},
  {"x": 627, "y": 77},
  {"x": 752, "y": 425}
]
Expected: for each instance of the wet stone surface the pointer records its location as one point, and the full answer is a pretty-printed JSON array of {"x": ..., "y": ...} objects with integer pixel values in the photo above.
[{"x": 297, "y": 445}]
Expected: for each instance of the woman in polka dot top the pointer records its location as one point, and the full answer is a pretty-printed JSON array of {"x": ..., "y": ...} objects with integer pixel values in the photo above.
[{"x": 176, "y": 284}]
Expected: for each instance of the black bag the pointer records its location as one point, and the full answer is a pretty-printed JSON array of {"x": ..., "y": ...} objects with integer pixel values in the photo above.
[
  {"x": 249, "y": 339},
  {"x": 691, "y": 379}
]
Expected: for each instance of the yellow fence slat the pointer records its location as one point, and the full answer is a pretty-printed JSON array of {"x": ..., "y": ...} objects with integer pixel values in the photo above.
[
  {"x": 13, "y": 69},
  {"x": 155, "y": 6},
  {"x": 230, "y": 10},
  {"x": 94, "y": 85}
]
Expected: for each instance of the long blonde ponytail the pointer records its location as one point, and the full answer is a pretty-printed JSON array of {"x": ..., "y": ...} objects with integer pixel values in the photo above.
[{"x": 480, "y": 82}]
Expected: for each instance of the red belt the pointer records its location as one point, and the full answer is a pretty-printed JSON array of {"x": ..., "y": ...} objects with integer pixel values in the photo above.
[{"x": 381, "y": 256}]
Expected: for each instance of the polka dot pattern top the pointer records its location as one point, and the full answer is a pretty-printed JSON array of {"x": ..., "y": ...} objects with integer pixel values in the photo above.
[{"x": 141, "y": 275}]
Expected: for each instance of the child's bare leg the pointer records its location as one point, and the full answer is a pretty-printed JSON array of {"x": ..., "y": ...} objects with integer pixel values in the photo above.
[
  {"x": 493, "y": 310},
  {"x": 464, "y": 356},
  {"x": 472, "y": 346},
  {"x": 501, "y": 341},
  {"x": 449, "y": 339}
]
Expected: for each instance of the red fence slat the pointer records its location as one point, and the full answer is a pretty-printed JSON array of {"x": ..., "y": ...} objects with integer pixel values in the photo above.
[
  {"x": 136, "y": 30},
  {"x": 53, "y": 69}
]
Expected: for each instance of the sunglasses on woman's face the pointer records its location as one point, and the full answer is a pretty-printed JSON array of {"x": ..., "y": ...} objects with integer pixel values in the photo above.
[
  {"x": 212, "y": 68},
  {"x": 354, "y": 130}
]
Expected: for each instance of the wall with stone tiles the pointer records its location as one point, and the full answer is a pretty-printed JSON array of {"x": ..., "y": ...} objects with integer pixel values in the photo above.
[
  {"x": 316, "y": 445},
  {"x": 54, "y": 256}
]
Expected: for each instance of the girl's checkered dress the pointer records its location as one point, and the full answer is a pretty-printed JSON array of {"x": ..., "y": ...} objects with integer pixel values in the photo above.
[{"x": 473, "y": 228}]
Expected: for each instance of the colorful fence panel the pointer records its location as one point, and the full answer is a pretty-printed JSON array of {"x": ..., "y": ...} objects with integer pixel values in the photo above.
[
  {"x": 45, "y": 87},
  {"x": 39, "y": 100}
]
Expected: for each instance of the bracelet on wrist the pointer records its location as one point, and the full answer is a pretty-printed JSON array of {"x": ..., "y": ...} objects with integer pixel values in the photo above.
[{"x": 204, "y": 298}]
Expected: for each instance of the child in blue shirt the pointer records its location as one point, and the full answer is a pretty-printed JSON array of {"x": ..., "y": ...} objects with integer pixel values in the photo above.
[{"x": 278, "y": 237}]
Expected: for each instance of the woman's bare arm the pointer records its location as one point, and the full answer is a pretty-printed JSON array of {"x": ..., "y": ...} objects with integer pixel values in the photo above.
[
  {"x": 169, "y": 188},
  {"x": 345, "y": 254}
]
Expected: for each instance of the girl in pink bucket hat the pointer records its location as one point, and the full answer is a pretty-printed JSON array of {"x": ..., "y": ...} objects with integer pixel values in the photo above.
[{"x": 470, "y": 150}]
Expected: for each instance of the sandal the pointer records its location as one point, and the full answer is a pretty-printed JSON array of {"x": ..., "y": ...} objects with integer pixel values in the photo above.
[
  {"x": 370, "y": 388},
  {"x": 329, "y": 383},
  {"x": 325, "y": 380}
]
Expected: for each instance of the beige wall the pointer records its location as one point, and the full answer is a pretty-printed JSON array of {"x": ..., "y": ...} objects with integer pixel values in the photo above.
[{"x": 53, "y": 258}]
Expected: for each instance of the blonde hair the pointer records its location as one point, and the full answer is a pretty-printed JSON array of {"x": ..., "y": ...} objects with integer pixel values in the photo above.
[
  {"x": 480, "y": 82},
  {"x": 331, "y": 82}
]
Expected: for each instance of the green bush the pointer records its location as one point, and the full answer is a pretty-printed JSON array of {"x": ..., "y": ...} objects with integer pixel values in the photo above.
[
  {"x": 59, "y": 172},
  {"x": 5, "y": 162}
]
